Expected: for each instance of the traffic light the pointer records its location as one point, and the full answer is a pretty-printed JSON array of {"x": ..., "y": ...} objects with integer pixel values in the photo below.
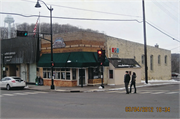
[
  {"x": 52, "y": 64},
  {"x": 22, "y": 33},
  {"x": 101, "y": 56},
  {"x": 99, "y": 53}
]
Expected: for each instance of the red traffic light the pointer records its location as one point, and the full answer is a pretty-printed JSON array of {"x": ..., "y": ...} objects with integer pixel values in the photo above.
[
  {"x": 99, "y": 52},
  {"x": 52, "y": 64}
]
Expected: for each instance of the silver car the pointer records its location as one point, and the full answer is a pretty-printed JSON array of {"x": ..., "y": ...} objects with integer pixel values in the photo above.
[{"x": 12, "y": 82}]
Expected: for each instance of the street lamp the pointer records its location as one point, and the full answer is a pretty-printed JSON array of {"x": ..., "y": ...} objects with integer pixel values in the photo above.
[{"x": 50, "y": 9}]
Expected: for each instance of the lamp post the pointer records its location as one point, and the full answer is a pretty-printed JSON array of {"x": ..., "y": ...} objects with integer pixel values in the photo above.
[{"x": 50, "y": 9}]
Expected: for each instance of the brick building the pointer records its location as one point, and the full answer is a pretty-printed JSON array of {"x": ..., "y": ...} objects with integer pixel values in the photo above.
[{"x": 74, "y": 55}]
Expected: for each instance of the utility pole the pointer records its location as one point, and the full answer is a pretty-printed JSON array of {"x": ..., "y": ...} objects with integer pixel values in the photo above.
[{"x": 145, "y": 47}]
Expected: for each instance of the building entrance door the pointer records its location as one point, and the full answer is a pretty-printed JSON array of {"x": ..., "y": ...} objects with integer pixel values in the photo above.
[{"x": 81, "y": 76}]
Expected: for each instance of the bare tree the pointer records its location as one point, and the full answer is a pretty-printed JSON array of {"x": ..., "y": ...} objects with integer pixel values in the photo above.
[
  {"x": 175, "y": 63},
  {"x": 45, "y": 28}
]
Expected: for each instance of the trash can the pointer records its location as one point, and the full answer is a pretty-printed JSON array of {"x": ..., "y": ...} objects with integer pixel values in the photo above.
[{"x": 40, "y": 81}]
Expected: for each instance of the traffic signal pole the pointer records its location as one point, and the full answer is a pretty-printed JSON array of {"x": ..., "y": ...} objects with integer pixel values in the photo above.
[
  {"x": 101, "y": 60},
  {"x": 102, "y": 76}
]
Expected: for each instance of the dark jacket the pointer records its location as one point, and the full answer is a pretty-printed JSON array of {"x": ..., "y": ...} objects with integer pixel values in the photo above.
[
  {"x": 133, "y": 78},
  {"x": 126, "y": 78}
]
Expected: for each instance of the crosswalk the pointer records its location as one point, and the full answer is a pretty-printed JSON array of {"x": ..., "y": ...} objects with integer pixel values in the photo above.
[
  {"x": 22, "y": 94},
  {"x": 154, "y": 92}
]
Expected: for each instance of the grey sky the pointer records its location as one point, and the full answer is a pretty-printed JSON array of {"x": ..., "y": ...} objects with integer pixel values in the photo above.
[{"x": 163, "y": 14}]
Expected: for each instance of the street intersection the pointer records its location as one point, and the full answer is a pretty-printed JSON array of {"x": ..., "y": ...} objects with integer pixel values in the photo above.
[{"x": 149, "y": 102}]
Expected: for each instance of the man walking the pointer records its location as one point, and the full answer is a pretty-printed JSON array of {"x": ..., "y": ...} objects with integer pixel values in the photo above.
[{"x": 126, "y": 81}]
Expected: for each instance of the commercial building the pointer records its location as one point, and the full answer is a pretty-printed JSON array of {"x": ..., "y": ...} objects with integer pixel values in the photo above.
[
  {"x": 19, "y": 56},
  {"x": 75, "y": 59}
]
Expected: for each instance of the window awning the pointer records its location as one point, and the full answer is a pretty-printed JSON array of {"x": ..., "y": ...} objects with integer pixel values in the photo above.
[
  {"x": 58, "y": 58},
  {"x": 124, "y": 63},
  {"x": 73, "y": 59}
]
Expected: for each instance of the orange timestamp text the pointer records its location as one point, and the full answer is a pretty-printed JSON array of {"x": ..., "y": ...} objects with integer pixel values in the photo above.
[{"x": 147, "y": 109}]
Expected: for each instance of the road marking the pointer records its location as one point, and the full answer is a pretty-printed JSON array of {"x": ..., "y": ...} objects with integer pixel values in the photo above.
[
  {"x": 171, "y": 92},
  {"x": 157, "y": 92},
  {"x": 24, "y": 93},
  {"x": 20, "y": 94},
  {"x": 8, "y": 94},
  {"x": 144, "y": 92}
]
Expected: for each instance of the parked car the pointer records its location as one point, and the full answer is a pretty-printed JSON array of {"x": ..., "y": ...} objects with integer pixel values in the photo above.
[
  {"x": 12, "y": 82},
  {"x": 174, "y": 75}
]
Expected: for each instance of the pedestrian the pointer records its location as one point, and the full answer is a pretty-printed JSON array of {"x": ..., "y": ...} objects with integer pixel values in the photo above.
[
  {"x": 133, "y": 82},
  {"x": 126, "y": 81}
]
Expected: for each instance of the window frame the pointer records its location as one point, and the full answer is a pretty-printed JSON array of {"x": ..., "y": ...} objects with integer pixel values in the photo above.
[
  {"x": 151, "y": 63},
  {"x": 165, "y": 59},
  {"x": 143, "y": 59},
  {"x": 159, "y": 59},
  {"x": 110, "y": 74},
  {"x": 58, "y": 73},
  {"x": 93, "y": 73}
]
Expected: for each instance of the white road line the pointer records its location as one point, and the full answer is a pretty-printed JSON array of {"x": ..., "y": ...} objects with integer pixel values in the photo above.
[
  {"x": 172, "y": 92},
  {"x": 8, "y": 94},
  {"x": 34, "y": 92},
  {"x": 20, "y": 94},
  {"x": 24, "y": 93},
  {"x": 143, "y": 92},
  {"x": 157, "y": 92}
]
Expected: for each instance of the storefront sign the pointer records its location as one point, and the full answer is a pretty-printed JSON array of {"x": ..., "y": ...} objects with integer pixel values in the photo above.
[
  {"x": 59, "y": 43},
  {"x": 10, "y": 53},
  {"x": 115, "y": 50},
  {"x": 8, "y": 56}
]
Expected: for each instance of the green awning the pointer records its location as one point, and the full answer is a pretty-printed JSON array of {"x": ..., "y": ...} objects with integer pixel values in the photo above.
[
  {"x": 73, "y": 59},
  {"x": 59, "y": 59}
]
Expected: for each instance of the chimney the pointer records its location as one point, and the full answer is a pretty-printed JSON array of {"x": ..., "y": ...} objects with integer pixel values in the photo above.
[{"x": 157, "y": 46}]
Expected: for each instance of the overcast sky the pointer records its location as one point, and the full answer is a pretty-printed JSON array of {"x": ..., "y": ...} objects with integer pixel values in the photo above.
[{"x": 163, "y": 14}]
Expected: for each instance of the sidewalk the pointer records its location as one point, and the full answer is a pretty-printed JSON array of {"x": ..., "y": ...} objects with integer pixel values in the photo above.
[{"x": 97, "y": 87}]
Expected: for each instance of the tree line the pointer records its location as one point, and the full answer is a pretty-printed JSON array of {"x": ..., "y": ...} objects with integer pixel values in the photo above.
[{"x": 44, "y": 28}]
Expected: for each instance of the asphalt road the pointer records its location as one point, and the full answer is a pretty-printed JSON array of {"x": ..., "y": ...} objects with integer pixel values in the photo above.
[{"x": 149, "y": 102}]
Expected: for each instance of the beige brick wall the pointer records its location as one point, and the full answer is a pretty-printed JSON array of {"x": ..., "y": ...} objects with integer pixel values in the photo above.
[{"x": 128, "y": 49}]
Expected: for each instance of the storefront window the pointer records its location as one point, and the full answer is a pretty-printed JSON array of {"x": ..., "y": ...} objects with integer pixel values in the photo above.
[
  {"x": 63, "y": 73},
  {"x": 46, "y": 73},
  {"x": 93, "y": 73},
  {"x": 67, "y": 75},
  {"x": 74, "y": 74}
]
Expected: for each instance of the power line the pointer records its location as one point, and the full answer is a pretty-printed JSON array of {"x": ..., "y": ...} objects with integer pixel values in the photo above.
[
  {"x": 175, "y": 48},
  {"x": 88, "y": 10},
  {"x": 165, "y": 10},
  {"x": 72, "y": 17},
  {"x": 92, "y": 19},
  {"x": 162, "y": 32}
]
